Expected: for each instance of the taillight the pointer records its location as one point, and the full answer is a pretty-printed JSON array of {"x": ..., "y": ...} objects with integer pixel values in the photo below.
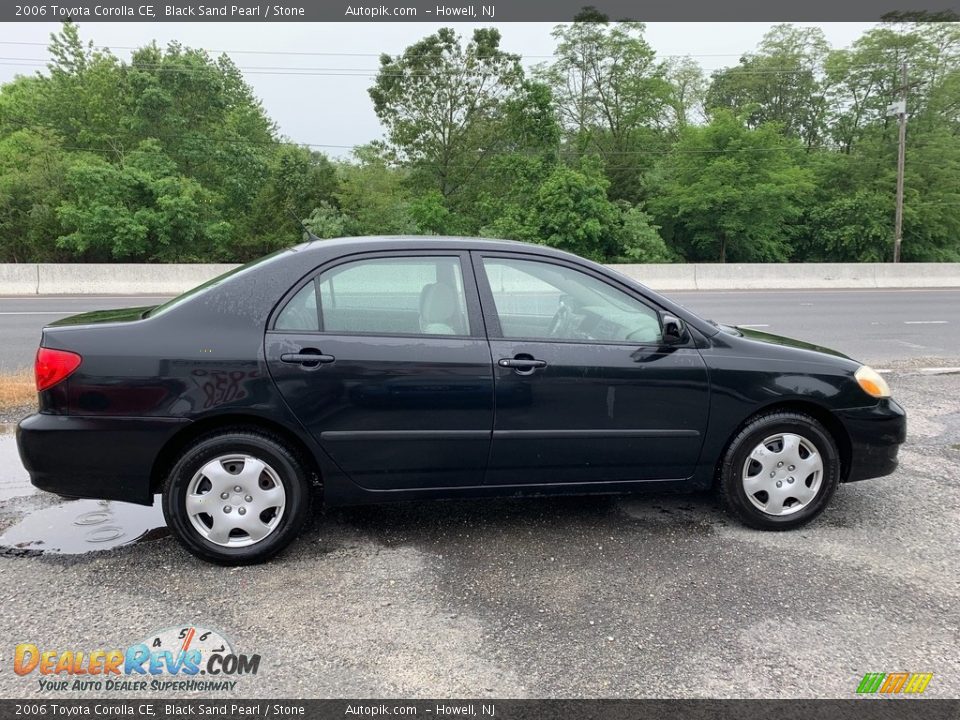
[{"x": 52, "y": 366}]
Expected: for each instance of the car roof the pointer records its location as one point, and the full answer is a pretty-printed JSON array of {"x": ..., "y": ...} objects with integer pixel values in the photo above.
[
  {"x": 248, "y": 293},
  {"x": 401, "y": 242}
]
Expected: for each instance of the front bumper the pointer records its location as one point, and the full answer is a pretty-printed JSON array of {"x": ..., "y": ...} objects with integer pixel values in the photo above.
[
  {"x": 876, "y": 434},
  {"x": 106, "y": 458}
]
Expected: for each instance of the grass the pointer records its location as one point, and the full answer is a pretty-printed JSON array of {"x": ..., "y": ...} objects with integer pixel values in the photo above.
[{"x": 17, "y": 390}]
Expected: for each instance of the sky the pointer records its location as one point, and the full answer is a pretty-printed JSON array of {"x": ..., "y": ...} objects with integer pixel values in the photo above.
[{"x": 333, "y": 112}]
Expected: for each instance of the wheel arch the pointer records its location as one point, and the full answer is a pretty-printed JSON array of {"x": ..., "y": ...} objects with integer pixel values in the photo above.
[
  {"x": 818, "y": 412},
  {"x": 171, "y": 450}
]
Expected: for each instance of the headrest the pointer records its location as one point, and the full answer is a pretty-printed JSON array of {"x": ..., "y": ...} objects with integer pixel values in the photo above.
[{"x": 438, "y": 303}]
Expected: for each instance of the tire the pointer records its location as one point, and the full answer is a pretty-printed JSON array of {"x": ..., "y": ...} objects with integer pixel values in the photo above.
[
  {"x": 250, "y": 525},
  {"x": 802, "y": 457}
]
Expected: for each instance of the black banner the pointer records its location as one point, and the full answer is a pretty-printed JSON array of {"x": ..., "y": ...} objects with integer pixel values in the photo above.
[
  {"x": 452, "y": 11},
  {"x": 860, "y": 708}
]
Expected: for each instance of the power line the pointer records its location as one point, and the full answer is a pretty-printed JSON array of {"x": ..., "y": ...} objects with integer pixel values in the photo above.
[
  {"x": 332, "y": 71},
  {"x": 26, "y": 125},
  {"x": 331, "y": 54},
  {"x": 281, "y": 70}
]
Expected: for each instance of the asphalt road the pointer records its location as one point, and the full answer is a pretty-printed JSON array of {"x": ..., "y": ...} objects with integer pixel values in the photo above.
[
  {"x": 584, "y": 597},
  {"x": 875, "y": 326}
]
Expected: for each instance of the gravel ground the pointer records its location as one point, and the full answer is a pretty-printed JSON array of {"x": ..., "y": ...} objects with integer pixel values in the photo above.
[
  {"x": 659, "y": 596},
  {"x": 13, "y": 415}
]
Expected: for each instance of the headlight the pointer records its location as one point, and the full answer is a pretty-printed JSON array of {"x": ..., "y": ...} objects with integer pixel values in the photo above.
[{"x": 872, "y": 382}]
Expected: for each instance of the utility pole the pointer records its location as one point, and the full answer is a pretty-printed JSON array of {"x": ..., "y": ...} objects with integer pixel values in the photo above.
[{"x": 901, "y": 112}]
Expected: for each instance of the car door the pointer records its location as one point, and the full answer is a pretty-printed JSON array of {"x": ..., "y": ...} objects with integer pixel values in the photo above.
[
  {"x": 384, "y": 361},
  {"x": 585, "y": 388}
]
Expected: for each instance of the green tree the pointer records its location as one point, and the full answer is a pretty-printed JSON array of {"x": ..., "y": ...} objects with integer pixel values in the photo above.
[
  {"x": 373, "y": 195},
  {"x": 780, "y": 83},
  {"x": 32, "y": 186},
  {"x": 574, "y": 214},
  {"x": 688, "y": 92},
  {"x": 640, "y": 239},
  {"x": 729, "y": 192},
  {"x": 326, "y": 221},
  {"x": 439, "y": 102},
  {"x": 612, "y": 96},
  {"x": 297, "y": 181},
  {"x": 141, "y": 210}
]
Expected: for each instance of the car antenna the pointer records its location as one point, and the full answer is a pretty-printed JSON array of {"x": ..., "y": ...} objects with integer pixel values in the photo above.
[{"x": 307, "y": 235}]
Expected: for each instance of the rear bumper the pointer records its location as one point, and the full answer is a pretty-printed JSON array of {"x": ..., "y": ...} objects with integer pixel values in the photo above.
[
  {"x": 94, "y": 457},
  {"x": 876, "y": 434}
]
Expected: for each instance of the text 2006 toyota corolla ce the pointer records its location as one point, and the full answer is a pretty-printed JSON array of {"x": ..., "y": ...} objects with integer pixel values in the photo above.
[{"x": 366, "y": 370}]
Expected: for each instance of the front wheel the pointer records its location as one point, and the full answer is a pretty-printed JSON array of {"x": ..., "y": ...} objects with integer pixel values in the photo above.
[
  {"x": 236, "y": 497},
  {"x": 780, "y": 471}
]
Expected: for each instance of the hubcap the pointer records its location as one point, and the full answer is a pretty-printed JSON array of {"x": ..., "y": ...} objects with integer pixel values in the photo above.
[
  {"x": 235, "y": 500},
  {"x": 782, "y": 474}
]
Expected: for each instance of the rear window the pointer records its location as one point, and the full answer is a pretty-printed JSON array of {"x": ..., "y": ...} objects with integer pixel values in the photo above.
[
  {"x": 382, "y": 296},
  {"x": 300, "y": 313}
]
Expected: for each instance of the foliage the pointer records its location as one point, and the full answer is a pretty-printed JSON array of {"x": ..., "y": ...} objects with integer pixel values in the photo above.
[
  {"x": 732, "y": 193},
  {"x": 780, "y": 83},
  {"x": 641, "y": 240},
  {"x": 612, "y": 96},
  {"x": 607, "y": 151},
  {"x": 440, "y": 103}
]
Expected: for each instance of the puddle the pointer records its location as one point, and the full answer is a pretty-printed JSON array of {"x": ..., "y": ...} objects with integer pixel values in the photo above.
[
  {"x": 14, "y": 481},
  {"x": 73, "y": 527},
  {"x": 80, "y": 526}
]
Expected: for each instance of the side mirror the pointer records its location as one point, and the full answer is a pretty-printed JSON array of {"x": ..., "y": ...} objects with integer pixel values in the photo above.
[{"x": 673, "y": 331}]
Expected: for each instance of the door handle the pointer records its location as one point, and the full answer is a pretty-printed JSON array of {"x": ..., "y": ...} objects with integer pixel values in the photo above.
[
  {"x": 311, "y": 359},
  {"x": 522, "y": 365}
]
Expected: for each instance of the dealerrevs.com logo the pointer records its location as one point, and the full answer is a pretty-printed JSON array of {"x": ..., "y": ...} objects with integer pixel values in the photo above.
[{"x": 175, "y": 659}]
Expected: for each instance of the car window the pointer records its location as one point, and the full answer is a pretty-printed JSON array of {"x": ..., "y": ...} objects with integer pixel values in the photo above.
[
  {"x": 300, "y": 313},
  {"x": 408, "y": 295},
  {"x": 539, "y": 300}
]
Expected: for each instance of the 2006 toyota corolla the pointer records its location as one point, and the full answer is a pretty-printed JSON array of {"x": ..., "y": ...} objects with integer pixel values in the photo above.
[{"x": 381, "y": 369}]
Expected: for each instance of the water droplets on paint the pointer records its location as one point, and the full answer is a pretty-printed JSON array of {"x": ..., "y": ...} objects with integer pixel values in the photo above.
[{"x": 80, "y": 526}]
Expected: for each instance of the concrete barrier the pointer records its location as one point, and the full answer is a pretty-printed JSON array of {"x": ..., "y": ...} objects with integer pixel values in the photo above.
[
  {"x": 662, "y": 277},
  {"x": 123, "y": 279},
  {"x": 917, "y": 275},
  {"x": 794, "y": 276},
  {"x": 758, "y": 276},
  {"x": 145, "y": 279},
  {"x": 18, "y": 279}
]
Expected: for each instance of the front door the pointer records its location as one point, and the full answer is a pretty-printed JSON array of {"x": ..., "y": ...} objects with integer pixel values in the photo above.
[
  {"x": 384, "y": 361},
  {"x": 585, "y": 389}
]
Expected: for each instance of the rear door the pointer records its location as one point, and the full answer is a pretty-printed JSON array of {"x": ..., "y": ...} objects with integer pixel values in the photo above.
[
  {"x": 586, "y": 391},
  {"x": 384, "y": 360}
]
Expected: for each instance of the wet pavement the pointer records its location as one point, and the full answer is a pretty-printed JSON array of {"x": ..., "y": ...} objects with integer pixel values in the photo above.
[
  {"x": 75, "y": 527},
  {"x": 652, "y": 596}
]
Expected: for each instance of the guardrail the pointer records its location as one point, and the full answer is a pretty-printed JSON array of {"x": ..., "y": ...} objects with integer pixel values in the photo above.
[{"x": 172, "y": 279}]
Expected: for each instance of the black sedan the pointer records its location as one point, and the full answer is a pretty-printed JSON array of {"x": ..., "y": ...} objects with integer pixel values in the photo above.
[{"x": 366, "y": 370}]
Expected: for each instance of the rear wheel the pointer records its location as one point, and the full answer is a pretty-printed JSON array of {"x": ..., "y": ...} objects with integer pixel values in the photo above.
[
  {"x": 780, "y": 471},
  {"x": 237, "y": 497}
]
